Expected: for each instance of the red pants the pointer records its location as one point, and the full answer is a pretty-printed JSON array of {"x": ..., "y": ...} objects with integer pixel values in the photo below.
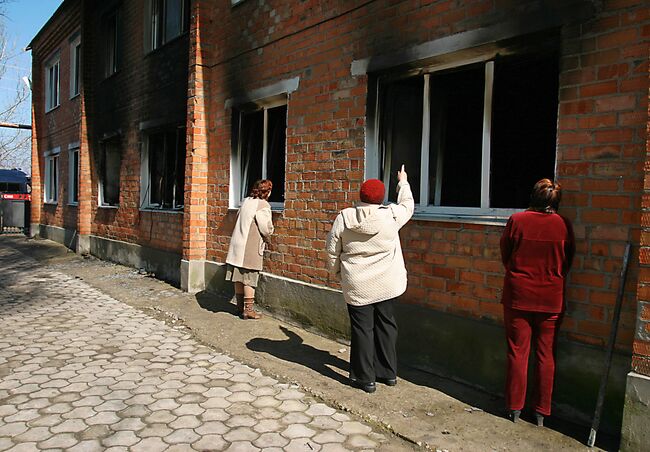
[{"x": 521, "y": 327}]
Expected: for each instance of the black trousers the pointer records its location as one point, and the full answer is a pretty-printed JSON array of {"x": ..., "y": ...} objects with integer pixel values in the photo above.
[{"x": 374, "y": 335}]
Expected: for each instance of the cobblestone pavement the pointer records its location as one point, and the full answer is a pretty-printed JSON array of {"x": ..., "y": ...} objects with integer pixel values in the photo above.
[{"x": 80, "y": 371}]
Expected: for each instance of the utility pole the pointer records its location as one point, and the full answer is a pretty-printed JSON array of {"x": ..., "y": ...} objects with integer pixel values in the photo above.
[{"x": 12, "y": 125}]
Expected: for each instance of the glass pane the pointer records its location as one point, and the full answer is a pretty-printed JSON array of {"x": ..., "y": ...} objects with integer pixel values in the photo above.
[
  {"x": 77, "y": 68},
  {"x": 524, "y": 127},
  {"x": 400, "y": 128},
  {"x": 456, "y": 137},
  {"x": 173, "y": 18},
  {"x": 276, "y": 151},
  {"x": 252, "y": 131},
  {"x": 75, "y": 176}
]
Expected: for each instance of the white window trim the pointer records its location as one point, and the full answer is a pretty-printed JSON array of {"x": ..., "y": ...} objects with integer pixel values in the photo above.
[
  {"x": 235, "y": 2},
  {"x": 52, "y": 62},
  {"x": 237, "y": 190},
  {"x": 145, "y": 176},
  {"x": 72, "y": 149},
  {"x": 422, "y": 208},
  {"x": 74, "y": 46},
  {"x": 50, "y": 188}
]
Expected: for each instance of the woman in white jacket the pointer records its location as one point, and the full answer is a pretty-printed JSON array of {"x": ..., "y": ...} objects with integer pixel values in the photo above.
[
  {"x": 365, "y": 253},
  {"x": 253, "y": 227}
]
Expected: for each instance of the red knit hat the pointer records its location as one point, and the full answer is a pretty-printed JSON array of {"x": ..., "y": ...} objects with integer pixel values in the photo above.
[{"x": 372, "y": 191}]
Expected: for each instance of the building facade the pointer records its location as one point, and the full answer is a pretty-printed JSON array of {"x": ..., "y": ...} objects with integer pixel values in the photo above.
[{"x": 183, "y": 104}]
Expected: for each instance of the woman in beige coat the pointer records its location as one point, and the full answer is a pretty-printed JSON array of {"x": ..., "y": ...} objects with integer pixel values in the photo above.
[
  {"x": 253, "y": 227},
  {"x": 364, "y": 251}
]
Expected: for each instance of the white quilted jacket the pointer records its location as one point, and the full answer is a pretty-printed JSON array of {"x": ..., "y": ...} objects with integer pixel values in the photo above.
[{"x": 365, "y": 252}]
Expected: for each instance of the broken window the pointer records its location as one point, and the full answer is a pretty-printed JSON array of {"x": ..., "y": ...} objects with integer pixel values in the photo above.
[
  {"x": 260, "y": 149},
  {"x": 165, "y": 159},
  {"x": 473, "y": 138},
  {"x": 110, "y": 161}
]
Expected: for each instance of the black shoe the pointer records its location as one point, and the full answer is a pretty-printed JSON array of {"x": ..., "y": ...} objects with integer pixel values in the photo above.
[
  {"x": 540, "y": 419},
  {"x": 513, "y": 415},
  {"x": 367, "y": 387},
  {"x": 387, "y": 381}
]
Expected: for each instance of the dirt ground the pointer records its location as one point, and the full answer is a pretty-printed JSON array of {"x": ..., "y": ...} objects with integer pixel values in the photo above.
[{"x": 430, "y": 412}]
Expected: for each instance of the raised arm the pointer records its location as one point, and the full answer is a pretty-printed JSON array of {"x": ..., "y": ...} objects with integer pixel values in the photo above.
[{"x": 403, "y": 210}]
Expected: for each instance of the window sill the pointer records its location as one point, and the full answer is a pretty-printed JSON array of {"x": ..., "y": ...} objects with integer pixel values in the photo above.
[
  {"x": 166, "y": 43},
  {"x": 51, "y": 203},
  {"x": 52, "y": 109},
  {"x": 75, "y": 95},
  {"x": 73, "y": 204},
  {"x": 467, "y": 219},
  {"x": 157, "y": 210},
  {"x": 103, "y": 206}
]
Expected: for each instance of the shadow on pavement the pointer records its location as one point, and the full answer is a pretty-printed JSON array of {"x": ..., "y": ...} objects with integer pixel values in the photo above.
[
  {"x": 213, "y": 303},
  {"x": 295, "y": 350}
]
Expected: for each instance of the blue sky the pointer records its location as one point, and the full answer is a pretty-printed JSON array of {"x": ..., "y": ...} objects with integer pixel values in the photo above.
[{"x": 22, "y": 20}]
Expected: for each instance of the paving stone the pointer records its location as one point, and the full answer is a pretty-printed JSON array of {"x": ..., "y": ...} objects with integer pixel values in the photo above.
[
  {"x": 150, "y": 445},
  {"x": 155, "y": 430},
  {"x": 210, "y": 443},
  {"x": 298, "y": 431},
  {"x": 302, "y": 445},
  {"x": 124, "y": 438},
  {"x": 70, "y": 426},
  {"x": 60, "y": 441},
  {"x": 271, "y": 439},
  {"x": 242, "y": 446},
  {"x": 241, "y": 434},
  {"x": 360, "y": 441},
  {"x": 87, "y": 446},
  {"x": 181, "y": 436},
  {"x": 329, "y": 436}
]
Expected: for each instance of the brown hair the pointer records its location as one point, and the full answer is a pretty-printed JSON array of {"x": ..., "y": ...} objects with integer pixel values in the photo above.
[
  {"x": 261, "y": 189},
  {"x": 546, "y": 196}
]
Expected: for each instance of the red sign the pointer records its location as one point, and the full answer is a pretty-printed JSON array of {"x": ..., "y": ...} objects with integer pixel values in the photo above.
[{"x": 17, "y": 196}]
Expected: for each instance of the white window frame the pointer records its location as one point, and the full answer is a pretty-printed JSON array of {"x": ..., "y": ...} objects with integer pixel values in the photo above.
[
  {"x": 422, "y": 206},
  {"x": 73, "y": 182},
  {"x": 75, "y": 67},
  {"x": 238, "y": 190},
  {"x": 155, "y": 25},
  {"x": 145, "y": 175},
  {"x": 235, "y": 2},
  {"x": 53, "y": 83},
  {"x": 51, "y": 181}
]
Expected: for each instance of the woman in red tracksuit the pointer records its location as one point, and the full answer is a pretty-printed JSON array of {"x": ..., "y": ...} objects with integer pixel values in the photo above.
[{"x": 537, "y": 247}]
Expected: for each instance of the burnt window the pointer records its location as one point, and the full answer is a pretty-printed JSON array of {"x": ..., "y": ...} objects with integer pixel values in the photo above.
[
  {"x": 110, "y": 28},
  {"x": 167, "y": 20},
  {"x": 474, "y": 138},
  {"x": 110, "y": 161},
  {"x": 260, "y": 136},
  {"x": 165, "y": 160},
  {"x": 73, "y": 175}
]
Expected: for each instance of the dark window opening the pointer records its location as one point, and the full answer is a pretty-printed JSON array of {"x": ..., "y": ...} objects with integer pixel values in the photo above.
[
  {"x": 109, "y": 173},
  {"x": 74, "y": 174},
  {"x": 111, "y": 44},
  {"x": 524, "y": 126},
  {"x": 167, "y": 169}
]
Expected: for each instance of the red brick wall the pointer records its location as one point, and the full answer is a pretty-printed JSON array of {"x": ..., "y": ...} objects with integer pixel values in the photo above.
[
  {"x": 58, "y": 127},
  {"x": 453, "y": 267},
  {"x": 641, "y": 345},
  {"x": 146, "y": 87}
]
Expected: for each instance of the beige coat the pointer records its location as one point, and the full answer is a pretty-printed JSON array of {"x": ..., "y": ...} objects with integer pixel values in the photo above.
[
  {"x": 365, "y": 252},
  {"x": 254, "y": 224}
]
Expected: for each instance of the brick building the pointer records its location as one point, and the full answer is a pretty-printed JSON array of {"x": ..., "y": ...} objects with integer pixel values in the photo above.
[{"x": 184, "y": 103}]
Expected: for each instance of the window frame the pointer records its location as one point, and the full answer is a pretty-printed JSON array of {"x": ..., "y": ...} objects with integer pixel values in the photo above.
[
  {"x": 423, "y": 206},
  {"x": 75, "y": 66},
  {"x": 145, "y": 169},
  {"x": 237, "y": 189},
  {"x": 73, "y": 173},
  {"x": 156, "y": 23},
  {"x": 51, "y": 182},
  {"x": 52, "y": 93}
]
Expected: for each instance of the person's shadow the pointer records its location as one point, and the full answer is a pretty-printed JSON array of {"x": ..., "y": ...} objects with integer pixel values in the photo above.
[{"x": 293, "y": 349}]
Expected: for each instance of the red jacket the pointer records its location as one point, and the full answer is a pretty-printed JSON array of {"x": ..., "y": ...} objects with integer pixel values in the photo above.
[{"x": 537, "y": 250}]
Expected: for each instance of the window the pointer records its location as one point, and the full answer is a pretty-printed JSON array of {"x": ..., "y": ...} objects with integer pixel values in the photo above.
[
  {"x": 73, "y": 174},
  {"x": 111, "y": 41},
  {"x": 75, "y": 67},
  {"x": 475, "y": 137},
  {"x": 164, "y": 161},
  {"x": 51, "y": 192},
  {"x": 260, "y": 136},
  {"x": 168, "y": 19},
  {"x": 110, "y": 160},
  {"x": 52, "y": 84}
]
